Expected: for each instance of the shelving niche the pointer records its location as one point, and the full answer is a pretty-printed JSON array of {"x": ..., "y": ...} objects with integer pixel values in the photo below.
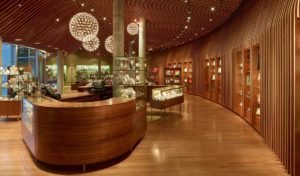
[
  {"x": 238, "y": 98},
  {"x": 256, "y": 94}
]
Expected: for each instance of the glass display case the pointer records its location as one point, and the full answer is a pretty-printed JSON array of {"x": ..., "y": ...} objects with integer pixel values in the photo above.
[
  {"x": 129, "y": 79},
  {"x": 166, "y": 97},
  {"x": 27, "y": 114},
  {"x": 166, "y": 93}
]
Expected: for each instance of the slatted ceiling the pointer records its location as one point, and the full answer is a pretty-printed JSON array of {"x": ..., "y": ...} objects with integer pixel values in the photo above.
[{"x": 34, "y": 21}]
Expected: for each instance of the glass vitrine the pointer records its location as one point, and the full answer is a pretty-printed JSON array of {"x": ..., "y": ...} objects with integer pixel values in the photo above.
[
  {"x": 130, "y": 79},
  {"x": 167, "y": 93}
]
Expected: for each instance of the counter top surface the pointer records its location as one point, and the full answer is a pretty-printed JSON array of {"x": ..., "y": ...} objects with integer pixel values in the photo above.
[{"x": 49, "y": 102}]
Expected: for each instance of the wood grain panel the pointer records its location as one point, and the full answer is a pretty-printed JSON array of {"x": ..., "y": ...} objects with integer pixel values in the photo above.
[
  {"x": 269, "y": 25},
  {"x": 70, "y": 133}
]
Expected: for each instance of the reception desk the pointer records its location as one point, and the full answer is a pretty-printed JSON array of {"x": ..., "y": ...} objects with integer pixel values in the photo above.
[{"x": 80, "y": 133}]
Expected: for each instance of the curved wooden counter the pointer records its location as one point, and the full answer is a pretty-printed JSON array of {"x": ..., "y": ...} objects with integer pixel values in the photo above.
[{"x": 76, "y": 133}]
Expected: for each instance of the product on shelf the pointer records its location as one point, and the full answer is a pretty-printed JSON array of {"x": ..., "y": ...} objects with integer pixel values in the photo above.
[
  {"x": 128, "y": 93},
  {"x": 258, "y": 111},
  {"x": 213, "y": 77}
]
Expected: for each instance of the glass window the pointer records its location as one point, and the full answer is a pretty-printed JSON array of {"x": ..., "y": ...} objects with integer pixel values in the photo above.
[{"x": 7, "y": 60}]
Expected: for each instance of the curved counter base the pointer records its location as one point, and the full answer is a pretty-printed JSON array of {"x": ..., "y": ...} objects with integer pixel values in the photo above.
[{"x": 77, "y": 133}]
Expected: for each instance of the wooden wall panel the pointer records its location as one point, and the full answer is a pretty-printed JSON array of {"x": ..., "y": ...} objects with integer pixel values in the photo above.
[{"x": 271, "y": 25}]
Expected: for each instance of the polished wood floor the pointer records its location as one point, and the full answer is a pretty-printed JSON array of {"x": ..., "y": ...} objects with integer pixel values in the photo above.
[{"x": 206, "y": 140}]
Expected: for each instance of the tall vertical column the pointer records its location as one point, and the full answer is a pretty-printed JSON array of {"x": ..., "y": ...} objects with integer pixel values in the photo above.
[
  {"x": 1, "y": 45},
  {"x": 37, "y": 65},
  {"x": 60, "y": 71},
  {"x": 142, "y": 37},
  {"x": 142, "y": 46},
  {"x": 118, "y": 34}
]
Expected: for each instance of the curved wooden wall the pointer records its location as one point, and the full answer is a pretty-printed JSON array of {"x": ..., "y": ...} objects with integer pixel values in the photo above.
[
  {"x": 271, "y": 24},
  {"x": 77, "y": 133}
]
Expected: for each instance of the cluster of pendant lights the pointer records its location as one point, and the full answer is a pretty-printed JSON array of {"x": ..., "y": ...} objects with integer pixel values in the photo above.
[{"x": 84, "y": 27}]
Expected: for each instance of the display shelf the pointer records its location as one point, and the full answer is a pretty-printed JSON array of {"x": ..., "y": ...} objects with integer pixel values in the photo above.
[
  {"x": 219, "y": 79},
  {"x": 247, "y": 85},
  {"x": 238, "y": 82},
  {"x": 206, "y": 78},
  {"x": 256, "y": 94},
  {"x": 188, "y": 76},
  {"x": 172, "y": 76},
  {"x": 213, "y": 79},
  {"x": 129, "y": 79}
]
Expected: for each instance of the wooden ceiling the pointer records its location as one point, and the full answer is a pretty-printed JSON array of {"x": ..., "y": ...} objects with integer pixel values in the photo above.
[{"x": 44, "y": 24}]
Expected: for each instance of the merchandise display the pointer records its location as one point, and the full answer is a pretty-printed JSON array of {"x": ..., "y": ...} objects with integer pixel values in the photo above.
[
  {"x": 247, "y": 84},
  {"x": 86, "y": 73},
  {"x": 166, "y": 93},
  {"x": 238, "y": 66},
  {"x": 188, "y": 76},
  {"x": 256, "y": 94},
  {"x": 17, "y": 83},
  {"x": 129, "y": 79},
  {"x": 207, "y": 79},
  {"x": 128, "y": 93},
  {"x": 172, "y": 76},
  {"x": 166, "y": 97}
]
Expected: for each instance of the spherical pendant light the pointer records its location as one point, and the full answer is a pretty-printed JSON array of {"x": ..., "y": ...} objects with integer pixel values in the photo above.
[
  {"x": 90, "y": 43},
  {"x": 83, "y": 24},
  {"x": 109, "y": 44},
  {"x": 133, "y": 28}
]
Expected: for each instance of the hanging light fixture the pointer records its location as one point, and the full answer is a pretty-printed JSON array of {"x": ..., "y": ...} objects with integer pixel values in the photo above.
[
  {"x": 109, "y": 43},
  {"x": 91, "y": 43},
  {"x": 83, "y": 24},
  {"x": 133, "y": 28}
]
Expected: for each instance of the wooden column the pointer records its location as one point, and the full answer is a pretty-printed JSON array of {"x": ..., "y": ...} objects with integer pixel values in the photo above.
[
  {"x": 60, "y": 71},
  {"x": 118, "y": 33}
]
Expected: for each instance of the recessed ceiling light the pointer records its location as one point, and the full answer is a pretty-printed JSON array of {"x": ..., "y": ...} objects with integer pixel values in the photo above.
[
  {"x": 82, "y": 4},
  {"x": 210, "y": 19},
  {"x": 19, "y": 5},
  {"x": 188, "y": 17},
  {"x": 196, "y": 34},
  {"x": 56, "y": 48},
  {"x": 135, "y": 20},
  {"x": 92, "y": 10},
  {"x": 185, "y": 27},
  {"x": 104, "y": 18},
  {"x": 57, "y": 19},
  {"x": 17, "y": 40},
  {"x": 203, "y": 28},
  {"x": 212, "y": 9},
  {"x": 37, "y": 43}
]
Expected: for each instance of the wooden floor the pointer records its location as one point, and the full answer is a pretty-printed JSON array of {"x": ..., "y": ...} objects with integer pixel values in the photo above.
[{"x": 206, "y": 140}]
